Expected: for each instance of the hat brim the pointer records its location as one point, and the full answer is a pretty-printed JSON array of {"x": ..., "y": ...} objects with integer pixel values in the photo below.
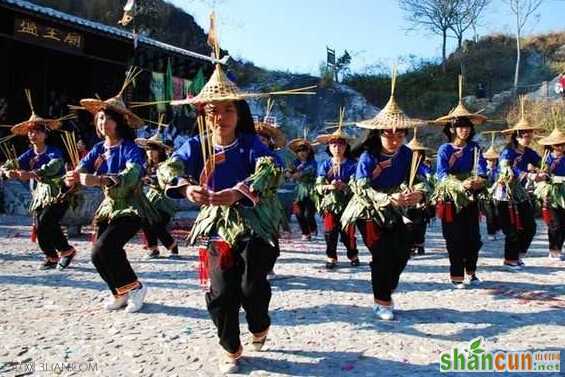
[
  {"x": 94, "y": 105},
  {"x": 22, "y": 129},
  {"x": 274, "y": 133},
  {"x": 520, "y": 128},
  {"x": 328, "y": 138},
  {"x": 476, "y": 119},
  {"x": 148, "y": 144},
  {"x": 295, "y": 144}
]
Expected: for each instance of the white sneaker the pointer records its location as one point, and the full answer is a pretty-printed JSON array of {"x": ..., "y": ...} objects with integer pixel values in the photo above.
[
  {"x": 383, "y": 312},
  {"x": 115, "y": 303},
  {"x": 458, "y": 284},
  {"x": 228, "y": 365},
  {"x": 136, "y": 298}
]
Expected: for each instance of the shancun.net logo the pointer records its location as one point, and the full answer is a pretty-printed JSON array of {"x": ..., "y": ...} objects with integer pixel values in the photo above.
[{"x": 474, "y": 358}]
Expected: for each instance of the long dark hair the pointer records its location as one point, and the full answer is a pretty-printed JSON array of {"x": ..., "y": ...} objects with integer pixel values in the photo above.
[
  {"x": 124, "y": 131},
  {"x": 458, "y": 122},
  {"x": 244, "y": 118},
  {"x": 162, "y": 156}
]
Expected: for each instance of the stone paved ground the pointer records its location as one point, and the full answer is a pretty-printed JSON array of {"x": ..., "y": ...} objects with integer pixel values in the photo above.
[{"x": 322, "y": 322}]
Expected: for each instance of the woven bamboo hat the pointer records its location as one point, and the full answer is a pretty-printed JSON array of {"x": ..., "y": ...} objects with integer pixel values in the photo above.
[
  {"x": 338, "y": 134},
  {"x": 491, "y": 153},
  {"x": 415, "y": 144},
  {"x": 556, "y": 137},
  {"x": 154, "y": 141},
  {"x": 523, "y": 124},
  {"x": 391, "y": 116},
  {"x": 21, "y": 129},
  {"x": 270, "y": 129},
  {"x": 461, "y": 111},
  {"x": 298, "y": 143},
  {"x": 116, "y": 103}
]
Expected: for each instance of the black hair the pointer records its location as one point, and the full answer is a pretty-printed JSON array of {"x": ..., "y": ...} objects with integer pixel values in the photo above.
[
  {"x": 124, "y": 131},
  {"x": 513, "y": 143},
  {"x": 372, "y": 143},
  {"x": 162, "y": 151},
  {"x": 458, "y": 122},
  {"x": 310, "y": 150}
]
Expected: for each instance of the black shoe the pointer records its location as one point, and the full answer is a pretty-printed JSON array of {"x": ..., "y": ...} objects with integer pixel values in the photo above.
[
  {"x": 331, "y": 265},
  {"x": 474, "y": 280},
  {"x": 65, "y": 261},
  {"x": 152, "y": 254},
  {"x": 174, "y": 253},
  {"x": 421, "y": 250},
  {"x": 48, "y": 265},
  {"x": 355, "y": 263}
]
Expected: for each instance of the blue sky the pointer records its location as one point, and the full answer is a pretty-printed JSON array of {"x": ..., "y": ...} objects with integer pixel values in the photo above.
[{"x": 293, "y": 34}]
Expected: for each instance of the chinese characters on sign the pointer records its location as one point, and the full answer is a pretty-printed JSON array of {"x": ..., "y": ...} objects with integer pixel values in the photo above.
[{"x": 34, "y": 31}]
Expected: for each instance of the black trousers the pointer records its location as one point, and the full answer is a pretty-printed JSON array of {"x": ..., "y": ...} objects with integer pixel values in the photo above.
[
  {"x": 333, "y": 231},
  {"x": 50, "y": 236},
  {"x": 556, "y": 228},
  {"x": 390, "y": 250},
  {"x": 243, "y": 282},
  {"x": 159, "y": 232},
  {"x": 489, "y": 210},
  {"x": 306, "y": 216},
  {"x": 417, "y": 229},
  {"x": 463, "y": 241},
  {"x": 517, "y": 241},
  {"x": 109, "y": 256}
]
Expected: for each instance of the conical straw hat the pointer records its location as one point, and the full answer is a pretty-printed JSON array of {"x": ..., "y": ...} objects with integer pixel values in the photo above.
[
  {"x": 155, "y": 140},
  {"x": 523, "y": 124},
  {"x": 338, "y": 134},
  {"x": 21, "y": 129},
  {"x": 116, "y": 103},
  {"x": 415, "y": 144},
  {"x": 556, "y": 137},
  {"x": 269, "y": 129},
  {"x": 295, "y": 144},
  {"x": 274, "y": 133},
  {"x": 491, "y": 153},
  {"x": 391, "y": 116},
  {"x": 461, "y": 111}
]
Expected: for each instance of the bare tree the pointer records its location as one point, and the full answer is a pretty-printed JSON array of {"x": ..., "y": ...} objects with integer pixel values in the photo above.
[
  {"x": 435, "y": 15},
  {"x": 467, "y": 14},
  {"x": 522, "y": 10}
]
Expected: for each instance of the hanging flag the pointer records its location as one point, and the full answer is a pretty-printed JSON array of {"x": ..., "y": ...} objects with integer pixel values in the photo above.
[
  {"x": 157, "y": 89},
  {"x": 198, "y": 82},
  {"x": 128, "y": 13},
  {"x": 168, "y": 85}
]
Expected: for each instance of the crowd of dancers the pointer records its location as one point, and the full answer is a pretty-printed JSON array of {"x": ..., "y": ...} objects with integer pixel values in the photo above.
[{"x": 383, "y": 188}]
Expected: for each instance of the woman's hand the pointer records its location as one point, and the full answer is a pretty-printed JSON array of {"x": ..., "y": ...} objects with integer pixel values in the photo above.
[
  {"x": 71, "y": 178},
  {"x": 412, "y": 198},
  {"x": 225, "y": 197},
  {"x": 25, "y": 175},
  {"x": 197, "y": 194},
  {"x": 339, "y": 185},
  {"x": 12, "y": 174},
  {"x": 397, "y": 199}
]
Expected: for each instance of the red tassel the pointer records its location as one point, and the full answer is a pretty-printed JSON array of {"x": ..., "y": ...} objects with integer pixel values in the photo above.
[
  {"x": 449, "y": 212},
  {"x": 34, "y": 233},
  {"x": 511, "y": 214},
  {"x": 350, "y": 233},
  {"x": 295, "y": 208},
  {"x": 440, "y": 210},
  {"x": 329, "y": 221},
  {"x": 226, "y": 255},
  {"x": 203, "y": 269},
  {"x": 372, "y": 233},
  {"x": 518, "y": 219},
  {"x": 546, "y": 215}
]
